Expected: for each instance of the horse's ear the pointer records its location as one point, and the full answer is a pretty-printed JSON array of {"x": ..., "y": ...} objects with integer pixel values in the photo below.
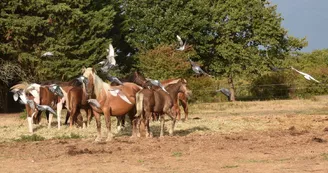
[
  {"x": 93, "y": 69},
  {"x": 83, "y": 69}
]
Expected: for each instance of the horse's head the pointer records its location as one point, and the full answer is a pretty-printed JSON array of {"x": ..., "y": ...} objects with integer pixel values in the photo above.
[
  {"x": 183, "y": 87},
  {"x": 89, "y": 73}
]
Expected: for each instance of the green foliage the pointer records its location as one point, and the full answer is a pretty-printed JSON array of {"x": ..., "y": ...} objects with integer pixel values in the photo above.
[
  {"x": 164, "y": 62},
  {"x": 203, "y": 89},
  {"x": 27, "y": 138},
  {"x": 75, "y": 31},
  {"x": 270, "y": 86}
]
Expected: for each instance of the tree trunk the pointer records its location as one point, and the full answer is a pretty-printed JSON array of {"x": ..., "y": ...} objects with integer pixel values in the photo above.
[{"x": 232, "y": 88}]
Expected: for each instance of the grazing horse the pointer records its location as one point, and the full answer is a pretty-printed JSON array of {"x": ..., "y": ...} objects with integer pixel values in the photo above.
[
  {"x": 110, "y": 105},
  {"x": 149, "y": 101},
  {"x": 182, "y": 97}
]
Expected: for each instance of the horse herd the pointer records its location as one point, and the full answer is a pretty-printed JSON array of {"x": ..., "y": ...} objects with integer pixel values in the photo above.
[{"x": 138, "y": 99}]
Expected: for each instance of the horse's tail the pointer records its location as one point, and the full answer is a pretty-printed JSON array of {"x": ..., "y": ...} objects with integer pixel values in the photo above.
[
  {"x": 21, "y": 85},
  {"x": 139, "y": 104}
]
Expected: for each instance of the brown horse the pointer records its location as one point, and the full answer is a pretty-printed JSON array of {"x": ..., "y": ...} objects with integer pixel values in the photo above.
[
  {"x": 150, "y": 101},
  {"x": 77, "y": 99},
  {"x": 182, "y": 97},
  {"x": 110, "y": 105}
]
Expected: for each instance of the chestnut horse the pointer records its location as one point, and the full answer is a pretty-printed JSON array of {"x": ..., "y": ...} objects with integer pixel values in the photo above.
[
  {"x": 182, "y": 97},
  {"x": 77, "y": 99},
  {"x": 110, "y": 105},
  {"x": 150, "y": 101}
]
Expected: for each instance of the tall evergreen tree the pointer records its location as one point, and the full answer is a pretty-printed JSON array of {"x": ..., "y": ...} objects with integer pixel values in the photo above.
[{"x": 75, "y": 31}]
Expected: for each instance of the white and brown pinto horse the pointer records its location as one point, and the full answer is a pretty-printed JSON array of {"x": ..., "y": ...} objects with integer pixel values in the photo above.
[{"x": 110, "y": 105}]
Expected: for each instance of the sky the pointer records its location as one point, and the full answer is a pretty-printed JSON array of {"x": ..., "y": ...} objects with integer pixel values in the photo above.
[{"x": 306, "y": 18}]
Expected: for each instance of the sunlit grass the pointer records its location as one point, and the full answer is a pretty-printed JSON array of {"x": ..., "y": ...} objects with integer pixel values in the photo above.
[{"x": 224, "y": 118}]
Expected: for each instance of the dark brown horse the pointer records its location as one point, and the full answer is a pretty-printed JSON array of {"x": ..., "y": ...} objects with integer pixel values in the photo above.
[
  {"x": 157, "y": 101},
  {"x": 110, "y": 105}
]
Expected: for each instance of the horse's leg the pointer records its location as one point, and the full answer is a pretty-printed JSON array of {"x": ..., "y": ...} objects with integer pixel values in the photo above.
[
  {"x": 67, "y": 117},
  {"x": 90, "y": 114},
  {"x": 173, "y": 117},
  {"x": 97, "y": 117},
  {"x": 147, "y": 116},
  {"x": 120, "y": 121},
  {"x": 107, "y": 114},
  {"x": 162, "y": 126},
  {"x": 50, "y": 119},
  {"x": 59, "y": 109},
  {"x": 184, "y": 104},
  {"x": 72, "y": 116}
]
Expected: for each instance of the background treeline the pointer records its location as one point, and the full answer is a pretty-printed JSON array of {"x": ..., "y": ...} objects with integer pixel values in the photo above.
[{"x": 233, "y": 40}]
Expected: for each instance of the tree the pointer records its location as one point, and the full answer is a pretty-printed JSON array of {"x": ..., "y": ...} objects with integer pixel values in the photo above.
[
  {"x": 231, "y": 37},
  {"x": 77, "y": 32}
]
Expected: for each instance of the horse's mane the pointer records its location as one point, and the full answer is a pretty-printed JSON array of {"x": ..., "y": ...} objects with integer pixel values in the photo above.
[
  {"x": 99, "y": 84},
  {"x": 22, "y": 85}
]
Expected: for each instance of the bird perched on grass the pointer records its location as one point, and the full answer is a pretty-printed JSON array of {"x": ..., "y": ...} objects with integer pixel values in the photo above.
[
  {"x": 182, "y": 45},
  {"x": 306, "y": 76},
  {"x": 48, "y": 54}
]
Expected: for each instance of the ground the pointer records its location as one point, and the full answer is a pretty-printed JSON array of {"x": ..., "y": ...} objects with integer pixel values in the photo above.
[{"x": 267, "y": 136}]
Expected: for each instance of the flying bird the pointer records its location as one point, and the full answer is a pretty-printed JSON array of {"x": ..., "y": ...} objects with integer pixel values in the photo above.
[
  {"x": 196, "y": 68},
  {"x": 83, "y": 79},
  {"x": 48, "y": 54},
  {"x": 94, "y": 102},
  {"x": 157, "y": 83},
  {"x": 56, "y": 89},
  {"x": 225, "y": 91},
  {"x": 307, "y": 76},
  {"x": 182, "y": 44},
  {"x": 20, "y": 94},
  {"x": 114, "y": 79},
  {"x": 116, "y": 91},
  {"x": 45, "y": 108},
  {"x": 110, "y": 61}
]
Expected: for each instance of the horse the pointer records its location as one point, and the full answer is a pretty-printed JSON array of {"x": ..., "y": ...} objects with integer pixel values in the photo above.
[
  {"x": 182, "y": 97},
  {"x": 110, "y": 105},
  {"x": 77, "y": 99},
  {"x": 43, "y": 97},
  {"x": 150, "y": 101}
]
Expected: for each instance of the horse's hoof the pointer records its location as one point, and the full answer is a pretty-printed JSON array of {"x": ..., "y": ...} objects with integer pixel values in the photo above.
[{"x": 150, "y": 135}]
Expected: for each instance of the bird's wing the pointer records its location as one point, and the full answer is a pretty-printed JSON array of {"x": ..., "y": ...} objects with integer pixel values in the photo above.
[
  {"x": 114, "y": 92},
  {"x": 180, "y": 40},
  {"x": 111, "y": 50},
  {"x": 312, "y": 78},
  {"x": 15, "y": 96},
  {"x": 123, "y": 97},
  {"x": 118, "y": 81},
  {"x": 34, "y": 93},
  {"x": 48, "y": 108},
  {"x": 94, "y": 102},
  {"x": 31, "y": 104}
]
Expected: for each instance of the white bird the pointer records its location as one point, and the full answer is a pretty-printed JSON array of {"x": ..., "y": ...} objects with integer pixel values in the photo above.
[
  {"x": 182, "y": 44},
  {"x": 116, "y": 91},
  {"x": 306, "y": 76},
  {"x": 110, "y": 62},
  {"x": 20, "y": 94},
  {"x": 94, "y": 102},
  {"x": 48, "y": 54}
]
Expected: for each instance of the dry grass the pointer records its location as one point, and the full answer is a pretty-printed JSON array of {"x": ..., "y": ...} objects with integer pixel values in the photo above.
[{"x": 224, "y": 118}]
